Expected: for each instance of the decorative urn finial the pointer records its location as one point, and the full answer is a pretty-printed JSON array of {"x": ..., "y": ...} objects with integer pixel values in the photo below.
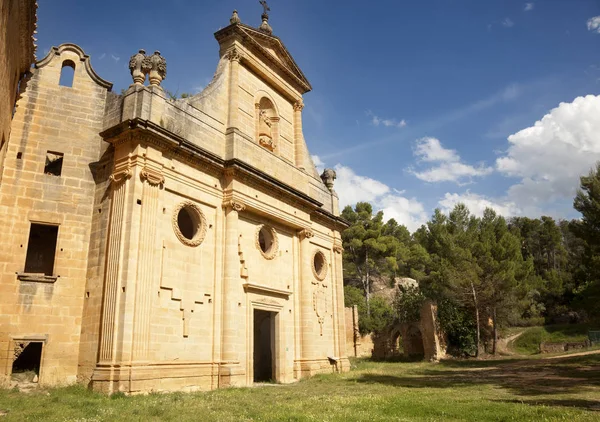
[
  {"x": 158, "y": 68},
  {"x": 264, "y": 26},
  {"x": 328, "y": 177},
  {"x": 234, "y": 18},
  {"x": 136, "y": 66}
]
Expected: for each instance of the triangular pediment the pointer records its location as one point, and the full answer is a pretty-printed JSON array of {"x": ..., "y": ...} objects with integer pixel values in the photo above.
[{"x": 270, "y": 48}]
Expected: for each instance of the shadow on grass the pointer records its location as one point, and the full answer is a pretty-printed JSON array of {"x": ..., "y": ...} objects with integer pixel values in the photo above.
[
  {"x": 526, "y": 377},
  {"x": 593, "y": 405}
]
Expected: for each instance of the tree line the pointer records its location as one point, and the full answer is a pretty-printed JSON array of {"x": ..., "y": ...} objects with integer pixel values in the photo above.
[{"x": 483, "y": 272}]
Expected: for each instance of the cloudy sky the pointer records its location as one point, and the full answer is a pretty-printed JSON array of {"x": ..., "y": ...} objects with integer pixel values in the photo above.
[{"x": 417, "y": 105}]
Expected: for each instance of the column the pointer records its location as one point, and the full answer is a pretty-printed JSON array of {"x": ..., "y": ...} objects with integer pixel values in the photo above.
[
  {"x": 234, "y": 56},
  {"x": 231, "y": 284},
  {"x": 339, "y": 306},
  {"x": 111, "y": 279},
  {"x": 299, "y": 149},
  {"x": 146, "y": 272},
  {"x": 307, "y": 313}
]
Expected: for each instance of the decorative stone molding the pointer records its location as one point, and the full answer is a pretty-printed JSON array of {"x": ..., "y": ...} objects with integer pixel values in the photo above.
[
  {"x": 320, "y": 306},
  {"x": 273, "y": 248},
  {"x": 153, "y": 177},
  {"x": 235, "y": 205},
  {"x": 305, "y": 234},
  {"x": 321, "y": 273},
  {"x": 234, "y": 54},
  {"x": 328, "y": 178},
  {"x": 121, "y": 175},
  {"x": 158, "y": 68},
  {"x": 299, "y": 105},
  {"x": 139, "y": 67},
  {"x": 337, "y": 247},
  {"x": 199, "y": 221},
  {"x": 235, "y": 19}
]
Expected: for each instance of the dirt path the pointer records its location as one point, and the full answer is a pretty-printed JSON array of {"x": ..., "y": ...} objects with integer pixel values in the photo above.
[
  {"x": 570, "y": 355},
  {"x": 503, "y": 343}
]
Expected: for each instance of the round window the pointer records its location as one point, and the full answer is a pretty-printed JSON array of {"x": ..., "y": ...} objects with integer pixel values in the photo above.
[
  {"x": 266, "y": 241},
  {"x": 189, "y": 224},
  {"x": 319, "y": 265}
]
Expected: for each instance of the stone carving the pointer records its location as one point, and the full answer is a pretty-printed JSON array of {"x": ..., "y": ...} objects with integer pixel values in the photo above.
[
  {"x": 234, "y": 54},
  {"x": 305, "y": 234},
  {"x": 337, "y": 247},
  {"x": 153, "y": 177},
  {"x": 266, "y": 241},
  {"x": 198, "y": 219},
  {"x": 328, "y": 177},
  {"x": 234, "y": 205},
  {"x": 299, "y": 105},
  {"x": 264, "y": 26},
  {"x": 319, "y": 265},
  {"x": 234, "y": 18},
  {"x": 320, "y": 306},
  {"x": 243, "y": 269},
  {"x": 157, "y": 66},
  {"x": 139, "y": 67},
  {"x": 121, "y": 175},
  {"x": 265, "y": 136}
]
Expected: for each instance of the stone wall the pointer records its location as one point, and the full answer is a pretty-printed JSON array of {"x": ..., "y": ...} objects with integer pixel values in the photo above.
[
  {"x": 17, "y": 24},
  {"x": 62, "y": 120}
]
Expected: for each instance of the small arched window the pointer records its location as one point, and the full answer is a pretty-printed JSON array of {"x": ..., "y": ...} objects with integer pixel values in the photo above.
[{"x": 67, "y": 73}]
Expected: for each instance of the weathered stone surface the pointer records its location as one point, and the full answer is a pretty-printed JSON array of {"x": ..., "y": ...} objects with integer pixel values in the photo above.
[{"x": 159, "y": 264}]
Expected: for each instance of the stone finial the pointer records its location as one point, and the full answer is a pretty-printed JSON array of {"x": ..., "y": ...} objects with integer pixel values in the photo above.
[
  {"x": 234, "y": 18},
  {"x": 136, "y": 66},
  {"x": 328, "y": 177},
  {"x": 158, "y": 68},
  {"x": 264, "y": 26}
]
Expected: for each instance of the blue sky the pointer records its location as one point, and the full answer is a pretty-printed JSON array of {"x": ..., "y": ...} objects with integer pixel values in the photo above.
[{"x": 413, "y": 103}]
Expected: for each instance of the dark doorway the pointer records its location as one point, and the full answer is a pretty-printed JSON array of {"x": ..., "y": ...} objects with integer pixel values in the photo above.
[
  {"x": 264, "y": 341},
  {"x": 26, "y": 367}
]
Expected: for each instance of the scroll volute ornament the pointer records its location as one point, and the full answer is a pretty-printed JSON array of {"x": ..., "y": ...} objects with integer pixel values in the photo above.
[
  {"x": 136, "y": 66},
  {"x": 158, "y": 68}
]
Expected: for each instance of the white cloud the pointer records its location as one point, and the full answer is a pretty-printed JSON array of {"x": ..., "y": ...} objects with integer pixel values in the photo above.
[
  {"x": 508, "y": 23},
  {"x": 431, "y": 149},
  {"x": 102, "y": 56},
  {"x": 115, "y": 58},
  {"x": 352, "y": 188},
  {"x": 528, "y": 7},
  {"x": 376, "y": 121},
  {"x": 593, "y": 24},
  {"x": 478, "y": 203},
  {"x": 450, "y": 167},
  {"x": 550, "y": 156},
  {"x": 319, "y": 164}
]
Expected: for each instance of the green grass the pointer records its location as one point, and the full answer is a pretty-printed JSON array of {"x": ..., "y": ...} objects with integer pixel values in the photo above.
[
  {"x": 532, "y": 389},
  {"x": 529, "y": 342}
]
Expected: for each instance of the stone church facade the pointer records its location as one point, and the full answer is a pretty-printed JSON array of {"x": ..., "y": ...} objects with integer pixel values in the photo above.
[{"x": 156, "y": 244}]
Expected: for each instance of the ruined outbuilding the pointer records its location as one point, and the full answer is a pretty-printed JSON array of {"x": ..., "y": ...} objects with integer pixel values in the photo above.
[{"x": 157, "y": 244}]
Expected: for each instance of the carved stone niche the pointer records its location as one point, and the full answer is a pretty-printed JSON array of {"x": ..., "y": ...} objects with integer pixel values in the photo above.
[{"x": 267, "y": 124}]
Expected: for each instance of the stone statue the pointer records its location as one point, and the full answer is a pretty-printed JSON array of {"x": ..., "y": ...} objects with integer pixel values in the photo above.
[
  {"x": 158, "y": 68},
  {"x": 137, "y": 68},
  {"x": 328, "y": 177},
  {"x": 265, "y": 136},
  {"x": 264, "y": 26},
  {"x": 234, "y": 18}
]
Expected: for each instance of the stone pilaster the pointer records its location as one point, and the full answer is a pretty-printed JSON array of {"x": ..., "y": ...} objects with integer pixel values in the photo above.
[
  {"x": 299, "y": 148},
  {"x": 147, "y": 271},
  {"x": 339, "y": 310},
  {"x": 234, "y": 56},
  {"x": 111, "y": 301},
  {"x": 307, "y": 313},
  {"x": 230, "y": 372}
]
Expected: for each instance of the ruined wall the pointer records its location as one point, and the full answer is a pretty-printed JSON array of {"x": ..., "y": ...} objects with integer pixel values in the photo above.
[
  {"x": 63, "y": 120},
  {"x": 17, "y": 23}
]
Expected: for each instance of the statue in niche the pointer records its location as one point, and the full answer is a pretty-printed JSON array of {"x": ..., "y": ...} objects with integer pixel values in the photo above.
[{"x": 265, "y": 135}]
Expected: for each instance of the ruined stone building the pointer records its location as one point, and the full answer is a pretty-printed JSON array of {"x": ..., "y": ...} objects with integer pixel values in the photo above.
[{"x": 157, "y": 244}]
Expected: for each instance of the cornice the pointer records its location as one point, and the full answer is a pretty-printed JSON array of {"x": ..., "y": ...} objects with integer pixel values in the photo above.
[{"x": 328, "y": 219}]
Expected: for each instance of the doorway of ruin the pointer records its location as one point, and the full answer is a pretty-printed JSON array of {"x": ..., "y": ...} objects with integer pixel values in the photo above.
[
  {"x": 264, "y": 346},
  {"x": 27, "y": 362}
]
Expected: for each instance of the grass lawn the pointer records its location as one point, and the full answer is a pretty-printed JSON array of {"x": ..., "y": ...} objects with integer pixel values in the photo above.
[
  {"x": 535, "y": 389},
  {"x": 529, "y": 342}
]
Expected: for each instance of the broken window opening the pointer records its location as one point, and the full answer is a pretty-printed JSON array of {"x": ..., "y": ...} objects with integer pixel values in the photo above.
[
  {"x": 41, "y": 249},
  {"x": 54, "y": 163}
]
